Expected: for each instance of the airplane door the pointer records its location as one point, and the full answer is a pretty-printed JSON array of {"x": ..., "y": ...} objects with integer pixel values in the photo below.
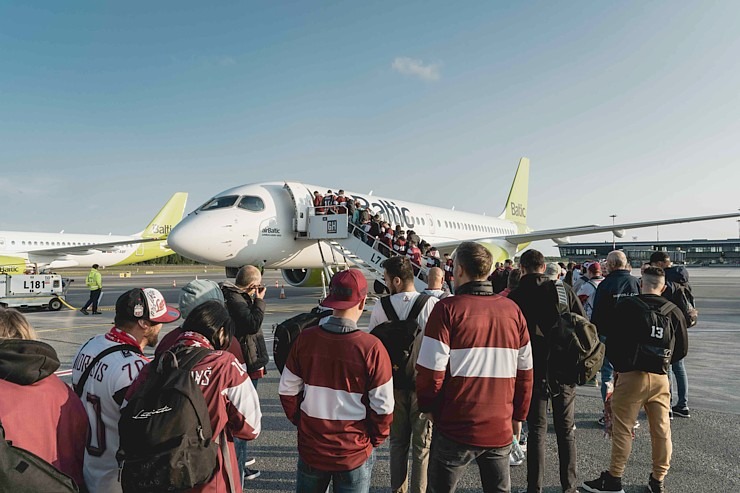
[
  {"x": 302, "y": 201},
  {"x": 432, "y": 227}
]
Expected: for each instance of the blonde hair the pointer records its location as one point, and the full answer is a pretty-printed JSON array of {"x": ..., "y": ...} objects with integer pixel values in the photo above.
[{"x": 13, "y": 325}]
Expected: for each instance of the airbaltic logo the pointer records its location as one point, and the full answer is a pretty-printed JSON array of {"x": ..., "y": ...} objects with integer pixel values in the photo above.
[
  {"x": 271, "y": 231},
  {"x": 518, "y": 210},
  {"x": 160, "y": 230}
]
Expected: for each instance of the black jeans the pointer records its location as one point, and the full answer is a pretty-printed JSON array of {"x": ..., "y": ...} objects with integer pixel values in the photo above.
[
  {"x": 563, "y": 407},
  {"x": 448, "y": 459},
  {"x": 93, "y": 300}
]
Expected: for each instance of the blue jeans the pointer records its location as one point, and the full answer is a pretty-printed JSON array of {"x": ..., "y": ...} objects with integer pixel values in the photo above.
[
  {"x": 607, "y": 372},
  {"x": 312, "y": 480},
  {"x": 682, "y": 384},
  {"x": 448, "y": 460},
  {"x": 241, "y": 447}
]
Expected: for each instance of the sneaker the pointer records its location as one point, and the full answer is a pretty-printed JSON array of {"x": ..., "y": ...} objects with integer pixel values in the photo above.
[
  {"x": 250, "y": 461},
  {"x": 681, "y": 413},
  {"x": 251, "y": 473},
  {"x": 97, "y": 313},
  {"x": 513, "y": 461},
  {"x": 606, "y": 483},
  {"x": 655, "y": 486},
  {"x": 670, "y": 414},
  {"x": 637, "y": 425},
  {"x": 523, "y": 443},
  {"x": 84, "y": 312},
  {"x": 601, "y": 420}
]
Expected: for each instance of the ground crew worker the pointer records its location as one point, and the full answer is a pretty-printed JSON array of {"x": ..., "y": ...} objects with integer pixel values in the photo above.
[{"x": 94, "y": 281}]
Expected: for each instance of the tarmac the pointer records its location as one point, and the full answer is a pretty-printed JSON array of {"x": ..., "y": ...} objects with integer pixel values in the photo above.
[{"x": 706, "y": 447}]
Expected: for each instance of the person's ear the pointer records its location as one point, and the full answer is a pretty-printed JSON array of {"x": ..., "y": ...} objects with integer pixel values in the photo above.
[{"x": 361, "y": 306}]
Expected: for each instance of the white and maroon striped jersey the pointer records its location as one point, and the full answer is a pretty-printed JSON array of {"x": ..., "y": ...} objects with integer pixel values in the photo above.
[
  {"x": 338, "y": 390},
  {"x": 475, "y": 369}
]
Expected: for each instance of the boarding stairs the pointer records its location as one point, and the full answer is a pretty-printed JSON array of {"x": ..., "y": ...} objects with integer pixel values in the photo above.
[
  {"x": 353, "y": 246},
  {"x": 331, "y": 226}
]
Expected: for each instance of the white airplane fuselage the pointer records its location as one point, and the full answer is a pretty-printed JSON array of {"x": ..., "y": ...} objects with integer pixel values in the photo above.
[
  {"x": 23, "y": 244},
  {"x": 233, "y": 236}
]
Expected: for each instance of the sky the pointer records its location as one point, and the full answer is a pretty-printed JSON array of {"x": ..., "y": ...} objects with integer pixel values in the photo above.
[{"x": 628, "y": 108}]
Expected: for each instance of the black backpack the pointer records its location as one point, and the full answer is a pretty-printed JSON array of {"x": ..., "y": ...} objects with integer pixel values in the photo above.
[
  {"x": 655, "y": 342},
  {"x": 575, "y": 351},
  {"x": 166, "y": 437},
  {"x": 24, "y": 472},
  {"x": 398, "y": 337},
  {"x": 682, "y": 297},
  {"x": 286, "y": 332}
]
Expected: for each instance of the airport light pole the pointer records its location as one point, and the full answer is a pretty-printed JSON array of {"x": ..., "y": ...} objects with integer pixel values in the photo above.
[{"x": 614, "y": 238}]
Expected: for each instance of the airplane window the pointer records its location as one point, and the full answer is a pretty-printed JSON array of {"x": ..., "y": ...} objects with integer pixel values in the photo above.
[
  {"x": 219, "y": 203},
  {"x": 439, "y": 223},
  {"x": 251, "y": 203},
  {"x": 23, "y": 242}
]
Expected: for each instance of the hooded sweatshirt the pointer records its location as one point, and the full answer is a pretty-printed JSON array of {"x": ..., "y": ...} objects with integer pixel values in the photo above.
[{"x": 39, "y": 412}]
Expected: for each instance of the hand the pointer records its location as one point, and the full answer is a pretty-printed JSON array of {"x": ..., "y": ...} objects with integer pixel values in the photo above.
[{"x": 259, "y": 292}]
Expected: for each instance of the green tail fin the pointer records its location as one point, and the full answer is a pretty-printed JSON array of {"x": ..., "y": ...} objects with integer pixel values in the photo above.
[
  {"x": 516, "y": 204},
  {"x": 167, "y": 217}
]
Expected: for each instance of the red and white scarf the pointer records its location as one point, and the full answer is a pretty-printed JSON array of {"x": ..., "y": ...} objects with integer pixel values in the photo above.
[{"x": 193, "y": 339}]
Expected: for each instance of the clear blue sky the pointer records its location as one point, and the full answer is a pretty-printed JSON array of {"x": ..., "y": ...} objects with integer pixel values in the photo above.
[{"x": 627, "y": 108}]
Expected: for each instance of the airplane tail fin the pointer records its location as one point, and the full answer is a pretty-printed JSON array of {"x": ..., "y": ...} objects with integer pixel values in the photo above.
[
  {"x": 167, "y": 217},
  {"x": 516, "y": 204}
]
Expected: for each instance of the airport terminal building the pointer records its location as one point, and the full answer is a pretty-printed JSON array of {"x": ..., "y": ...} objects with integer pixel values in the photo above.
[{"x": 692, "y": 252}]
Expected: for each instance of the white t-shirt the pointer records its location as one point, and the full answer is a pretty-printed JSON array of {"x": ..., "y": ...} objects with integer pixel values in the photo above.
[
  {"x": 402, "y": 303},
  {"x": 102, "y": 397}
]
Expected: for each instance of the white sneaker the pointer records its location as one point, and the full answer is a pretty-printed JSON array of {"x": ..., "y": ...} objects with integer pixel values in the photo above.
[{"x": 515, "y": 462}]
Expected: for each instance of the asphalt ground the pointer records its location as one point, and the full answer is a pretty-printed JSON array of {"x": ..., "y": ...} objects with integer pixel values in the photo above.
[{"x": 706, "y": 454}]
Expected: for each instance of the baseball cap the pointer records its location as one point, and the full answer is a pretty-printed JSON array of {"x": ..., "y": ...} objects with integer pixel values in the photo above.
[
  {"x": 147, "y": 304},
  {"x": 197, "y": 292},
  {"x": 594, "y": 268},
  {"x": 347, "y": 289}
]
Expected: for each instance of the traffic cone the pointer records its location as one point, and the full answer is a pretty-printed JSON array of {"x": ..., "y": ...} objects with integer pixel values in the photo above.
[
  {"x": 282, "y": 292},
  {"x": 174, "y": 283}
]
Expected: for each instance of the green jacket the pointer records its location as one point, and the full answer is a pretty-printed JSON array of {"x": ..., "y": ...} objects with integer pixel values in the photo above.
[{"x": 94, "y": 280}]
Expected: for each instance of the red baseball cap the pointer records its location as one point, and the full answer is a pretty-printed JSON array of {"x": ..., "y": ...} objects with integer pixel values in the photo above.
[{"x": 346, "y": 289}]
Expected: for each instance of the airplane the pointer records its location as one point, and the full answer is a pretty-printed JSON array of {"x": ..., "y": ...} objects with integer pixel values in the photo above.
[
  {"x": 23, "y": 250},
  {"x": 261, "y": 224}
]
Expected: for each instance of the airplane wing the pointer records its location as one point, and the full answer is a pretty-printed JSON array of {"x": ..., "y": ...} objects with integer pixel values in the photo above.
[
  {"x": 88, "y": 249},
  {"x": 618, "y": 229}
]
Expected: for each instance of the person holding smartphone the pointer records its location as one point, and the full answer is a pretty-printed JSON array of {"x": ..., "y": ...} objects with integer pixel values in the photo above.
[{"x": 245, "y": 300}]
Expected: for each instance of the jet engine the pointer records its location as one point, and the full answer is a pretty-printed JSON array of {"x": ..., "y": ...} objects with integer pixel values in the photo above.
[
  {"x": 619, "y": 233},
  {"x": 562, "y": 241},
  {"x": 302, "y": 278}
]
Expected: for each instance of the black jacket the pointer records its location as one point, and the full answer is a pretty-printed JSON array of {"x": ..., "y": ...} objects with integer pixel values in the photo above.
[
  {"x": 622, "y": 344},
  {"x": 247, "y": 315},
  {"x": 617, "y": 285},
  {"x": 538, "y": 300}
]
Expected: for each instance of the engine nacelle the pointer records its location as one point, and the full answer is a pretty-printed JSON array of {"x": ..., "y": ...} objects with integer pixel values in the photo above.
[
  {"x": 562, "y": 241},
  {"x": 619, "y": 233},
  {"x": 303, "y": 278}
]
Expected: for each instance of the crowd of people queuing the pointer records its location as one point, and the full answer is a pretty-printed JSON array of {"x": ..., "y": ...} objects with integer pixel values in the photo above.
[{"x": 475, "y": 371}]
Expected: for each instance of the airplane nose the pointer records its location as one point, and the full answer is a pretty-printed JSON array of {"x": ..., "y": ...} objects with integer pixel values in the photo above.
[{"x": 194, "y": 238}]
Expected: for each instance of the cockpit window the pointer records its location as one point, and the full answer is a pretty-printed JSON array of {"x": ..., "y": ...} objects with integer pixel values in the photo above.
[
  {"x": 219, "y": 203},
  {"x": 251, "y": 203}
]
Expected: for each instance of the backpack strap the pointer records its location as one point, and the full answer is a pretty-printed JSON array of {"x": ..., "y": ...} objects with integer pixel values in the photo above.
[
  {"x": 419, "y": 304},
  {"x": 390, "y": 312},
  {"x": 79, "y": 387}
]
